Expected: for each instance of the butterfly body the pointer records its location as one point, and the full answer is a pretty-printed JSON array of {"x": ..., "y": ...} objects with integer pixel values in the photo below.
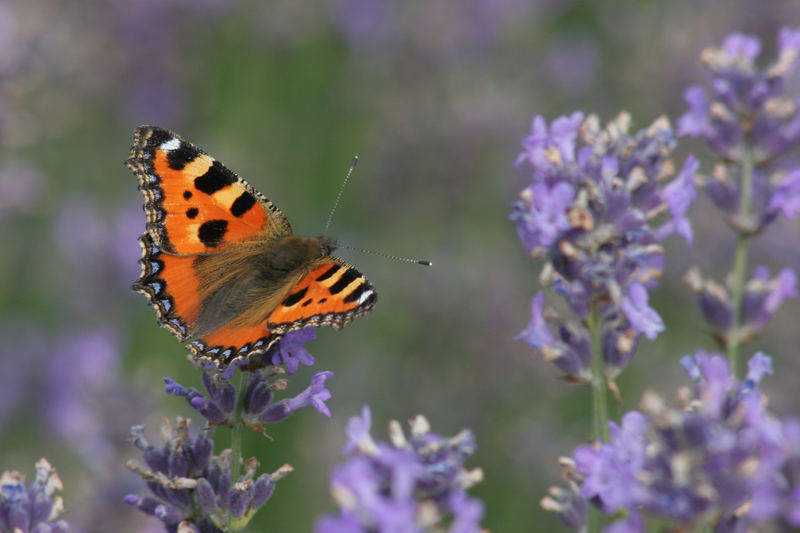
[{"x": 220, "y": 263}]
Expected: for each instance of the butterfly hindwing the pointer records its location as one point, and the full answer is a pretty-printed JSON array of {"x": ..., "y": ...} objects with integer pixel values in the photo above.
[
  {"x": 332, "y": 294},
  {"x": 194, "y": 204}
]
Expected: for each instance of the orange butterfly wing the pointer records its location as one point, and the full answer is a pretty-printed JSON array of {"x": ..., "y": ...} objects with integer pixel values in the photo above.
[
  {"x": 332, "y": 293},
  {"x": 195, "y": 207},
  {"x": 193, "y": 203}
]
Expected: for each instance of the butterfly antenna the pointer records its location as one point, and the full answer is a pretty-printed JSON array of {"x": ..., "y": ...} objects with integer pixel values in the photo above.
[
  {"x": 388, "y": 256},
  {"x": 339, "y": 195}
]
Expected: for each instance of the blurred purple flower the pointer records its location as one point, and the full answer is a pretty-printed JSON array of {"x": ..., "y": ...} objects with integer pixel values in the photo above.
[
  {"x": 697, "y": 463},
  {"x": 408, "y": 484},
  {"x": 367, "y": 23},
  {"x": 679, "y": 195},
  {"x": 746, "y": 104},
  {"x": 193, "y": 488},
  {"x": 36, "y": 509},
  {"x": 781, "y": 499},
  {"x": 573, "y": 63},
  {"x": 84, "y": 368},
  {"x": 570, "y": 506},
  {"x": 761, "y": 299},
  {"x": 786, "y": 196},
  {"x": 25, "y": 355},
  {"x": 642, "y": 317},
  {"x": 101, "y": 259}
]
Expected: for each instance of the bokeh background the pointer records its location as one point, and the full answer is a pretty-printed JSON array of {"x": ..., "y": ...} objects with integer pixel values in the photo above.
[{"x": 434, "y": 97}]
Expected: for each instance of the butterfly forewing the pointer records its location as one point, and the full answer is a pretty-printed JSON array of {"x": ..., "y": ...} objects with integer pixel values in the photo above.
[{"x": 194, "y": 204}]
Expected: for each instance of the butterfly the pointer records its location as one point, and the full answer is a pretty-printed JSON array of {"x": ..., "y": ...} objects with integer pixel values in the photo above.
[{"x": 220, "y": 263}]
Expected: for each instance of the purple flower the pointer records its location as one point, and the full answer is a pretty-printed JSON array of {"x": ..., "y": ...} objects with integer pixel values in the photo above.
[
  {"x": 781, "y": 498},
  {"x": 218, "y": 403},
  {"x": 761, "y": 299},
  {"x": 542, "y": 214},
  {"x": 742, "y": 48},
  {"x": 314, "y": 396},
  {"x": 786, "y": 196},
  {"x": 758, "y": 366},
  {"x": 746, "y": 111},
  {"x": 410, "y": 484},
  {"x": 571, "y": 507},
  {"x": 544, "y": 149},
  {"x": 192, "y": 487},
  {"x": 289, "y": 350},
  {"x": 571, "y": 352},
  {"x": 593, "y": 213},
  {"x": 679, "y": 195},
  {"x": 35, "y": 509},
  {"x": 609, "y": 470},
  {"x": 641, "y": 316},
  {"x": 700, "y": 462}
]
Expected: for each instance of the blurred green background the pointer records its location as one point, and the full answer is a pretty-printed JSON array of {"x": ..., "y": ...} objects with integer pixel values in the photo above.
[{"x": 435, "y": 98}]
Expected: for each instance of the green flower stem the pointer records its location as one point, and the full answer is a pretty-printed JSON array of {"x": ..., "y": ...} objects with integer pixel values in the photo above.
[
  {"x": 740, "y": 259},
  {"x": 599, "y": 402},
  {"x": 236, "y": 441}
]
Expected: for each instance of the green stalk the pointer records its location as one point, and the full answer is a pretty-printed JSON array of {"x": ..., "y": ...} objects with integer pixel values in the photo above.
[
  {"x": 599, "y": 402},
  {"x": 236, "y": 440},
  {"x": 740, "y": 259}
]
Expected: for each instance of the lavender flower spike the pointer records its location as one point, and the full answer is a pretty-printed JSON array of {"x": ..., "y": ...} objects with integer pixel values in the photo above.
[
  {"x": 412, "y": 483},
  {"x": 599, "y": 204},
  {"x": 719, "y": 459},
  {"x": 762, "y": 297},
  {"x": 191, "y": 488},
  {"x": 217, "y": 405},
  {"x": 35, "y": 509},
  {"x": 750, "y": 119}
]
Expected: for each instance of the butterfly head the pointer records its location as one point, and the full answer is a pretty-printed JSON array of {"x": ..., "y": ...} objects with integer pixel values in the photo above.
[{"x": 326, "y": 245}]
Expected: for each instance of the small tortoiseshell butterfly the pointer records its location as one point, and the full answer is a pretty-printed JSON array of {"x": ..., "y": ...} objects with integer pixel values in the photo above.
[{"x": 220, "y": 264}]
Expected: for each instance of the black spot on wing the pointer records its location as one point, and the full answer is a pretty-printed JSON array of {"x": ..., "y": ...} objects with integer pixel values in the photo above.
[
  {"x": 187, "y": 194},
  {"x": 292, "y": 299},
  {"x": 181, "y": 156},
  {"x": 346, "y": 279},
  {"x": 307, "y": 302},
  {"x": 328, "y": 273},
  {"x": 216, "y": 177},
  {"x": 243, "y": 204},
  {"x": 192, "y": 212},
  {"x": 212, "y": 232}
]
